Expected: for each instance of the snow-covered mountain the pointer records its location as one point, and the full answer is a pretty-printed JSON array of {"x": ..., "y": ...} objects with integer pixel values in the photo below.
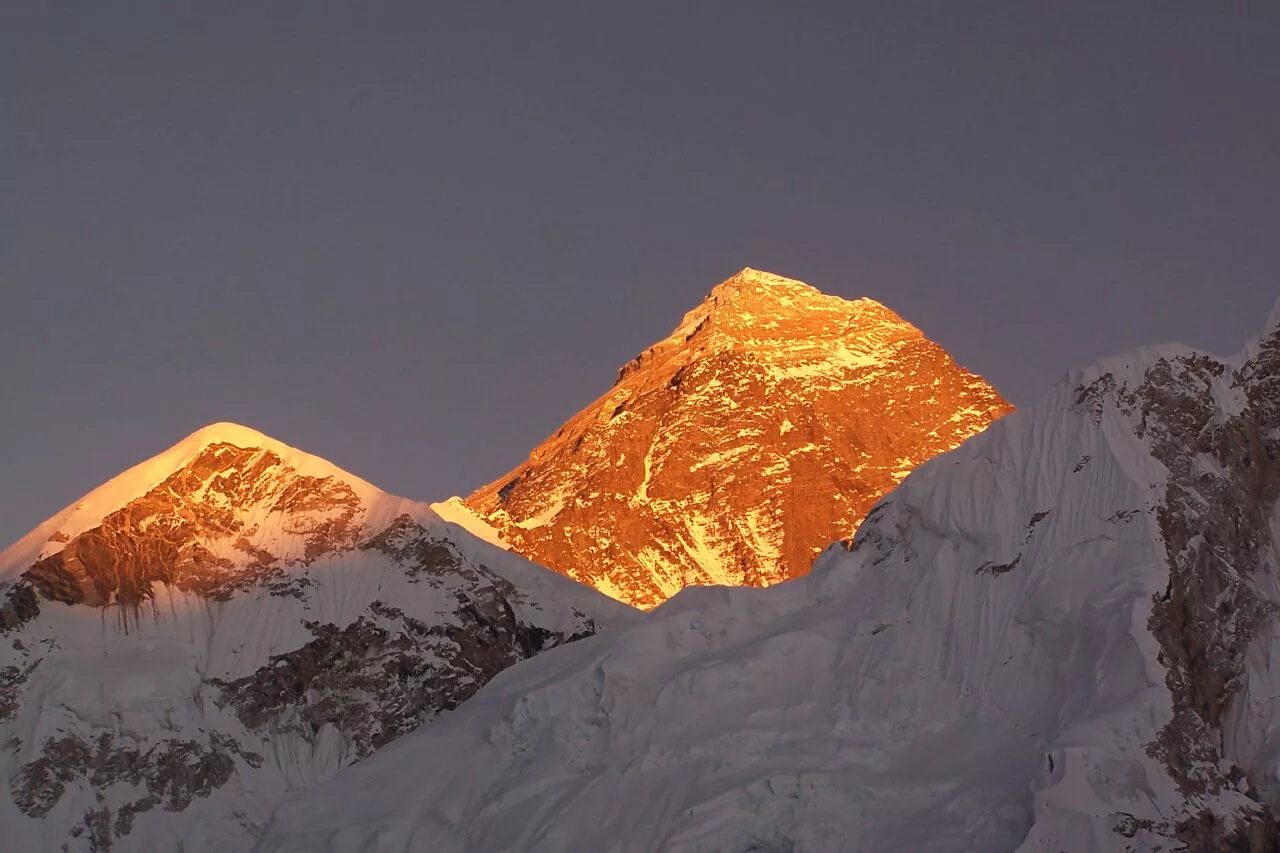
[
  {"x": 1061, "y": 636},
  {"x": 234, "y": 619},
  {"x": 733, "y": 451}
]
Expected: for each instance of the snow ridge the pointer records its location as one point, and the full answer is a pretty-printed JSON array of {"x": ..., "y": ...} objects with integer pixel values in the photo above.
[{"x": 993, "y": 663}]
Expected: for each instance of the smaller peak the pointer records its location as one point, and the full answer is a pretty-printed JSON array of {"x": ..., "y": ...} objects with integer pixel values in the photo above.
[
  {"x": 136, "y": 481},
  {"x": 229, "y": 432},
  {"x": 766, "y": 277},
  {"x": 758, "y": 284},
  {"x": 248, "y": 438}
]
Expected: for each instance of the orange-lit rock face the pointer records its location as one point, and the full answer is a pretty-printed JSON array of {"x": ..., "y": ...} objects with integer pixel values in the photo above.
[
  {"x": 761, "y": 430},
  {"x": 198, "y": 530}
]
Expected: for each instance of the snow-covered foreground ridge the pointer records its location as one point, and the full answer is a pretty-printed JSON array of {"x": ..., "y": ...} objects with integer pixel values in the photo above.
[
  {"x": 234, "y": 619},
  {"x": 1060, "y": 636}
]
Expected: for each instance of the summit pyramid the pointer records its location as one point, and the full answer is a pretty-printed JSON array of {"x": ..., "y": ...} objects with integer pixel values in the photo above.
[{"x": 735, "y": 449}]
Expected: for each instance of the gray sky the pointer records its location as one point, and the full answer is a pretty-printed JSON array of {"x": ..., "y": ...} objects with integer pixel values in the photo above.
[{"x": 414, "y": 240}]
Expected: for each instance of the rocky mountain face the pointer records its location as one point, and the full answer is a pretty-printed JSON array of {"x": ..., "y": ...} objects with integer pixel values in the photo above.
[
  {"x": 232, "y": 620},
  {"x": 1062, "y": 635},
  {"x": 733, "y": 451}
]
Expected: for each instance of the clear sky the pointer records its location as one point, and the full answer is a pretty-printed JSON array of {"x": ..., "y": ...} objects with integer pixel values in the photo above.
[{"x": 414, "y": 239}]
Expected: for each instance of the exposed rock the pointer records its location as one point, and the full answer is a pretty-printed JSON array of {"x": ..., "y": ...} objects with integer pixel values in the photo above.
[
  {"x": 11, "y": 680},
  {"x": 991, "y": 568},
  {"x": 20, "y": 605},
  {"x": 763, "y": 428},
  {"x": 1106, "y": 682},
  {"x": 387, "y": 673},
  {"x": 1215, "y": 521},
  {"x": 180, "y": 532},
  {"x": 1250, "y": 833},
  {"x": 226, "y": 619},
  {"x": 409, "y": 544},
  {"x": 173, "y": 771}
]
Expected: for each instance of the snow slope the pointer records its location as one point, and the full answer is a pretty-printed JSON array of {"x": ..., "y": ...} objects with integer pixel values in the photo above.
[
  {"x": 231, "y": 620},
  {"x": 1060, "y": 636}
]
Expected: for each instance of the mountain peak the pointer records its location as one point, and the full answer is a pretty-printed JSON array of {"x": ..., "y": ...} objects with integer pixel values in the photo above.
[
  {"x": 217, "y": 450},
  {"x": 752, "y": 283},
  {"x": 231, "y": 433},
  {"x": 784, "y": 321},
  {"x": 245, "y": 438},
  {"x": 763, "y": 281},
  {"x": 758, "y": 287},
  {"x": 700, "y": 464},
  {"x": 168, "y": 638}
]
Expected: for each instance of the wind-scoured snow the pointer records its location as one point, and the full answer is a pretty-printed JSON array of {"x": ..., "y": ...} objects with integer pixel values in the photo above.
[{"x": 1017, "y": 652}]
